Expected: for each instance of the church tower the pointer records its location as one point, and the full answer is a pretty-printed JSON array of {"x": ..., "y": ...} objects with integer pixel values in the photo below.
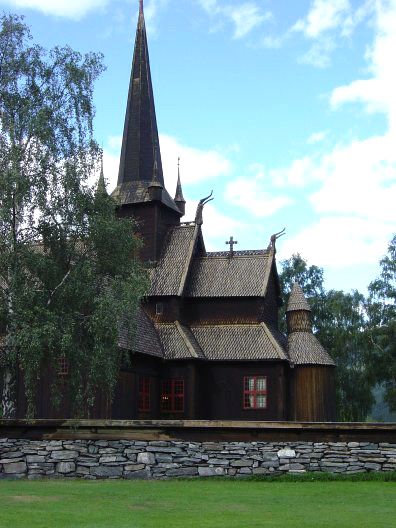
[
  {"x": 311, "y": 383},
  {"x": 140, "y": 191}
]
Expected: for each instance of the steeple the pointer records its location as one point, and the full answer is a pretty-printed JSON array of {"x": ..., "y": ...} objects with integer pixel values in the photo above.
[
  {"x": 140, "y": 144},
  {"x": 101, "y": 187},
  {"x": 179, "y": 198}
]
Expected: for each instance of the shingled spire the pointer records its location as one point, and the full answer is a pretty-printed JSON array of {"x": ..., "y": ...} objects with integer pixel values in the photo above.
[
  {"x": 140, "y": 144},
  {"x": 179, "y": 198}
]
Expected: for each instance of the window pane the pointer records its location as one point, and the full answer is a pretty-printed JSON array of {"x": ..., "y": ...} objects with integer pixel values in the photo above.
[
  {"x": 261, "y": 401},
  {"x": 261, "y": 384},
  {"x": 251, "y": 384}
]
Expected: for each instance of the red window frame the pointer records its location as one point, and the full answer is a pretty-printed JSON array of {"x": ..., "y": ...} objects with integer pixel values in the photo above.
[
  {"x": 172, "y": 395},
  {"x": 144, "y": 393},
  {"x": 63, "y": 367},
  {"x": 250, "y": 395}
]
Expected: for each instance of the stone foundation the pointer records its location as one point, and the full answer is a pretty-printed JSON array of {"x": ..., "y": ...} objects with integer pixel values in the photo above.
[{"x": 98, "y": 459}]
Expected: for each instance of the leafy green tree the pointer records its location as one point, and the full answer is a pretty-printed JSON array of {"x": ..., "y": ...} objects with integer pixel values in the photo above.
[
  {"x": 381, "y": 310},
  {"x": 69, "y": 270},
  {"x": 339, "y": 323}
]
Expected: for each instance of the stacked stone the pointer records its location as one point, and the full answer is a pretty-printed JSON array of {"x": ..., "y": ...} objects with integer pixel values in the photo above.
[{"x": 92, "y": 459}]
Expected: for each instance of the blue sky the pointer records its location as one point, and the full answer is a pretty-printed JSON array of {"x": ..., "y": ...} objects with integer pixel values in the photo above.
[{"x": 286, "y": 109}]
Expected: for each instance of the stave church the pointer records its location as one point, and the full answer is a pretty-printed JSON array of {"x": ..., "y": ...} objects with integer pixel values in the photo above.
[
  {"x": 208, "y": 346},
  {"x": 208, "y": 343}
]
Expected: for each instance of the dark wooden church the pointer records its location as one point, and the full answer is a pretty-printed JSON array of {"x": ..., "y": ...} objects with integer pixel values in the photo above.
[{"x": 208, "y": 343}]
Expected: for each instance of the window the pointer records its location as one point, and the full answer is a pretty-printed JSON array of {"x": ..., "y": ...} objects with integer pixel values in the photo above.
[
  {"x": 172, "y": 395},
  {"x": 144, "y": 394},
  {"x": 255, "y": 392},
  {"x": 159, "y": 308},
  {"x": 63, "y": 367}
]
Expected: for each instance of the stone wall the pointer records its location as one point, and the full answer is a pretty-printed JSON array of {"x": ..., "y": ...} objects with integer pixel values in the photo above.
[{"x": 92, "y": 459}]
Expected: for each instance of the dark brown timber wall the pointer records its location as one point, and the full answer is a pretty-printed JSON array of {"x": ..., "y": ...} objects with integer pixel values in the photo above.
[{"x": 312, "y": 394}]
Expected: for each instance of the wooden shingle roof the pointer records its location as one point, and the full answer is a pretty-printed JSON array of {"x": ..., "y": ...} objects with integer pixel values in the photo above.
[
  {"x": 146, "y": 339},
  {"x": 244, "y": 274},
  {"x": 238, "y": 342},
  {"x": 305, "y": 349},
  {"x": 170, "y": 274},
  {"x": 178, "y": 342},
  {"x": 297, "y": 300}
]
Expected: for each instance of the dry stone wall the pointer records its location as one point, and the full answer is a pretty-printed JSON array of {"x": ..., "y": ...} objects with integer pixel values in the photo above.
[{"x": 90, "y": 459}]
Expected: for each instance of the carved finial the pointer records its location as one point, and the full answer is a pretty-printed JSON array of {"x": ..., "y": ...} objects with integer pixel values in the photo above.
[
  {"x": 231, "y": 243},
  {"x": 200, "y": 206},
  {"x": 274, "y": 238},
  {"x": 140, "y": 7}
]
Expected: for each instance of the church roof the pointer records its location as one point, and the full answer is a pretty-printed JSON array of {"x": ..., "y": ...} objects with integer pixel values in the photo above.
[
  {"x": 146, "y": 339},
  {"x": 305, "y": 349},
  {"x": 182, "y": 270},
  {"x": 235, "y": 342},
  {"x": 178, "y": 341},
  {"x": 244, "y": 274},
  {"x": 140, "y": 150},
  {"x": 297, "y": 300},
  {"x": 170, "y": 274}
]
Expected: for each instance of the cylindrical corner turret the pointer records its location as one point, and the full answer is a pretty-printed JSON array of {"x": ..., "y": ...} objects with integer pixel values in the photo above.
[
  {"x": 312, "y": 390},
  {"x": 298, "y": 311}
]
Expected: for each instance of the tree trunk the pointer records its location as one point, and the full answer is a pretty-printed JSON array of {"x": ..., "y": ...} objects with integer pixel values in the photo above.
[{"x": 8, "y": 397}]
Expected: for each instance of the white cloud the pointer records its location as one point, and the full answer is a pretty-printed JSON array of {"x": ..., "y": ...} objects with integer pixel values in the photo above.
[
  {"x": 324, "y": 15},
  {"x": 195, "y": 164},
  {"x": 319, "y": 53},
  {"x": 250, "y": 193},
  {"x": 356, "y": 181},
  {"x": 245, "y": 17},
  {"x": 339, "y": 242},
  {"x": 300, "y": 173},
  {"x": 377, "y": 92},
  {"x": 326, "y": 23},
  {"x": 317, "y": 137},
  {"x": 63, "y": 8}
]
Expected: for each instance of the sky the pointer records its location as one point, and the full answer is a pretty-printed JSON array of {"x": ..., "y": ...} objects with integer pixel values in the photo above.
[{"x": 285, "y": 108}]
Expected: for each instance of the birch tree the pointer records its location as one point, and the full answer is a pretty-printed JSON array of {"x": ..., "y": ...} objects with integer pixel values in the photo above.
[{"x": 68, "y": 269}]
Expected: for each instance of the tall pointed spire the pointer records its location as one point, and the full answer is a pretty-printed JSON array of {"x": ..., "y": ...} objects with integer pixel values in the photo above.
[
  {"x": 179, "y": 198},
  {"x": 140, "y": 143},
  {"x": 101, "y": 187}
]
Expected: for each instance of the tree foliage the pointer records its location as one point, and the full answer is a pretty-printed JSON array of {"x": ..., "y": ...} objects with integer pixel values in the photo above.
[
  {"x": 381, "y": 309},
  {"x": 69, "y": 270},
  {"x": 339, "y": 323}
]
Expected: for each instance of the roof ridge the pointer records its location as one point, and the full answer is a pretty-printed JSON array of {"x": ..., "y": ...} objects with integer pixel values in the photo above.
[
  {"x": 189, "y": 259},
  {"x": 267, "y": 273},
  {"x": 281, "y": 352},
  {"x": 186, "y": 340}
]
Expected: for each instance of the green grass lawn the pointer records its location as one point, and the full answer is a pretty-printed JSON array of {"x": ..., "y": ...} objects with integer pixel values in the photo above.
[{"x": 196, "y": 503}]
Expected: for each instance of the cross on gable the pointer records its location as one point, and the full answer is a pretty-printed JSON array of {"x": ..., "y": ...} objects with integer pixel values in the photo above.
[{"x": 231, "y": 243}]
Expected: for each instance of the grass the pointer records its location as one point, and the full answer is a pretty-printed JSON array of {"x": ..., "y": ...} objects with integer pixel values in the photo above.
[{"x": 197, "y": 503}]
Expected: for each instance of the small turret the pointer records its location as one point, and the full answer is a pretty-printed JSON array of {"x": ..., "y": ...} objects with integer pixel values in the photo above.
[
  {"x": 298, "y": 311},
  {"x": 179, "y": 198}
]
